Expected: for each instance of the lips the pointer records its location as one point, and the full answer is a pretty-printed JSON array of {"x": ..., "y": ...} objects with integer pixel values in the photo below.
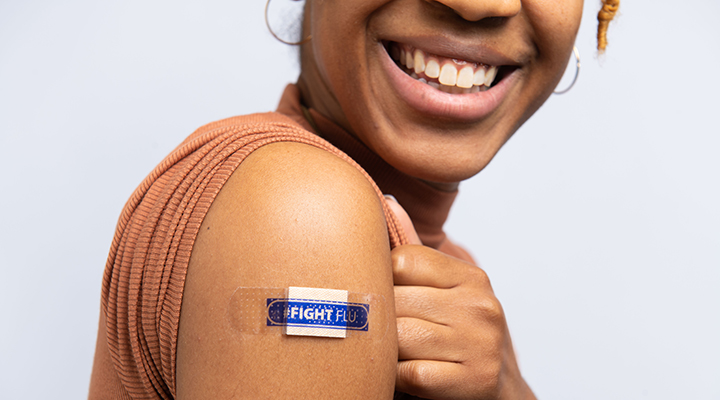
[
  {"x": 449, "y": 75},
  {"x": 442, "y": 86}
]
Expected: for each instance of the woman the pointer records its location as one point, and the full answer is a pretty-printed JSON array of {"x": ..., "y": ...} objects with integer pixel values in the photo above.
[{"x": 421, "y": 94}]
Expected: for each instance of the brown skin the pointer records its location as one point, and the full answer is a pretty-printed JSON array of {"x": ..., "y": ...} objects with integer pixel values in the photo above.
[
  {"x": 285, "y": 218},
  {"x": 443, "y": 354},
  {"x": 453, "y": 340},
  {"x": 342, "y": 76},
  {"x": 292, "y": 215}
]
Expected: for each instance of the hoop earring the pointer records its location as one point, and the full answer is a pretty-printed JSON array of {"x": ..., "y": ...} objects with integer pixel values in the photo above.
[
  {"x": 577, "y": 72},
  {"x": 267, "y": 22}
]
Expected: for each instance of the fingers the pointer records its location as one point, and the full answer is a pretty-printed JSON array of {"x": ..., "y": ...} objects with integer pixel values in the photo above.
[
  {"x": 439, "y": 306},
  {"x": 423, "y": 340},
  {"x": 404, "y": 219},
  {"x": 414, "y": 376},
  {"x": 418, "y": 265},
  {"x": 424, "y": 266},
  {"x": 431, "y": 379}
]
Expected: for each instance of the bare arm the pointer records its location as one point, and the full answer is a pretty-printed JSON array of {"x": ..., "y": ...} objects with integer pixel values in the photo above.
[{"x": 291, "y": 215}]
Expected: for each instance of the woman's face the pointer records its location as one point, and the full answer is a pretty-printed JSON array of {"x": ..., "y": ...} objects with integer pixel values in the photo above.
[{"x": 444, "y": 117}]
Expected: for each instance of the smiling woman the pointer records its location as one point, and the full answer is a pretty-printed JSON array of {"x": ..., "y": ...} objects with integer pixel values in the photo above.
[{"x": 399, "y": 97}]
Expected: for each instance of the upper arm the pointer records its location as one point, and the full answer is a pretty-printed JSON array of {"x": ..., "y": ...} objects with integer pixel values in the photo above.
[{"x": 290, "y": 215}]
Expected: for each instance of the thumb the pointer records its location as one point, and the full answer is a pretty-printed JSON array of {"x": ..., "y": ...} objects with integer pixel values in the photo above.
[{"x": 404, "y": 219}]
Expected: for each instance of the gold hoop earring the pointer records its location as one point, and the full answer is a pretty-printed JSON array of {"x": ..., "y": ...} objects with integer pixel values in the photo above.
[
  {"x": 267, "y": 22},
  {"x": 577, "y": 72}
]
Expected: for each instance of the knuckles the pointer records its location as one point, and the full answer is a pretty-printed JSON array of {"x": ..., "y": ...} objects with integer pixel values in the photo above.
[
  {"x": 403, "y": 259},
  {"x": 477, "y": 277},
  {"x": 487, "y": 308},
  {"x": 400, "y": 262},
  {"x": 481, "y": 302},
  {"x": 418, "y": 375},
  {"x": 489, "y": 381}
]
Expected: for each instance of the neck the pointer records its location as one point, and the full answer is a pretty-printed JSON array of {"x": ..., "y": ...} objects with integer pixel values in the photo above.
[{"x": 442, "y": 186}]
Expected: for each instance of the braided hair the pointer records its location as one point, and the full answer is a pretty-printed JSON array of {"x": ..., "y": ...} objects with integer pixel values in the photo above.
[{"x": 607, "y": 13}]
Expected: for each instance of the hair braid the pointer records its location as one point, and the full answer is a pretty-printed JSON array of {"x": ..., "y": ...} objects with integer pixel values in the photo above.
[{"x": 606, "y": 14}]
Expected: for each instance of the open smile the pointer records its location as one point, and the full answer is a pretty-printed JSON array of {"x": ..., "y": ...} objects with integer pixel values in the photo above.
[
  {"x": 449, "y": 75},
  {"x": 446, "y": 86}
]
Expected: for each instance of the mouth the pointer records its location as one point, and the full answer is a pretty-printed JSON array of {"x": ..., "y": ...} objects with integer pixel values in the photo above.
[
  {"x": 445, "y": 74},
  {"x": 446, "y": 86}
]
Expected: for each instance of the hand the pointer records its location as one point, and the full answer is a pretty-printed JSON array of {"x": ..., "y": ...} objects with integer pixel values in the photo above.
[{"x": 453, "y": 340}]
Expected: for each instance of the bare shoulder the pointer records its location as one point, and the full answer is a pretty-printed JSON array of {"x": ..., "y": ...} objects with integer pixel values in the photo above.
[{"x": 290, "y": 215}]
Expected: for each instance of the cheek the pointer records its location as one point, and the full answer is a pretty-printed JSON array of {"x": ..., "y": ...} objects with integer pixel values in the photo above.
[
  {"x": 555, "y": 22},
  {"x": 339, "y": 27}
]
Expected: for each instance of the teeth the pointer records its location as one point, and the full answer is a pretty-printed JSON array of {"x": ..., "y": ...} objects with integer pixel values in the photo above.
[
  {"x": 448, "y": 75},
  {"x": 465, "y": 77},
  {"x": 432, "y": 69},
  {"x": 471, "y": 77},
  {"x": 446, "y": 89},
  {"x": 490, "y": 76},
  {"x": 419, "y": 62},
  {"x": 479, "y": 77}
]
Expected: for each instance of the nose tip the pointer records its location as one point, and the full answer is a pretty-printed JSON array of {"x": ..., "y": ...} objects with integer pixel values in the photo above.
[{"x": 475, "y": 10}]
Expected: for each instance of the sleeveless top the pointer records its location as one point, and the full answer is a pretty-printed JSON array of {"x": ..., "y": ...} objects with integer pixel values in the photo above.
[{"x": 145, "y": 272}]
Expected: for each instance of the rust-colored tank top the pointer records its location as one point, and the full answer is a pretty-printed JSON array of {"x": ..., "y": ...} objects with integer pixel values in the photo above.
[{"x": 147, "y": 265}]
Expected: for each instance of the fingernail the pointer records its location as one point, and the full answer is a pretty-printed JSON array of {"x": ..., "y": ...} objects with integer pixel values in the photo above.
[{"x": 391, "y": 197}]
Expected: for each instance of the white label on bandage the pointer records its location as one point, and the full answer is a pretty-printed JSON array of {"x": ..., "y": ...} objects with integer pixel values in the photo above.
[{"x": 316, "y": 312}]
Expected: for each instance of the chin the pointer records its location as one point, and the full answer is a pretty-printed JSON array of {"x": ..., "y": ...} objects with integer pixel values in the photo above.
[{"x": 442, "y": 165}]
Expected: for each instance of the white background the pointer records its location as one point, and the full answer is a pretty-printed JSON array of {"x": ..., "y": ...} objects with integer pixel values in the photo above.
[{"x": 598, "y": 222}]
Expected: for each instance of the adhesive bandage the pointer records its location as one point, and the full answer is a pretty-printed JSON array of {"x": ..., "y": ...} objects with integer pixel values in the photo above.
[{"x": 298, "y": 311}]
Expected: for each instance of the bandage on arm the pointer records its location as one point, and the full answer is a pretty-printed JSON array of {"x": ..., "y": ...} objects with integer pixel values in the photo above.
[{"x": 290, "y": 216}]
